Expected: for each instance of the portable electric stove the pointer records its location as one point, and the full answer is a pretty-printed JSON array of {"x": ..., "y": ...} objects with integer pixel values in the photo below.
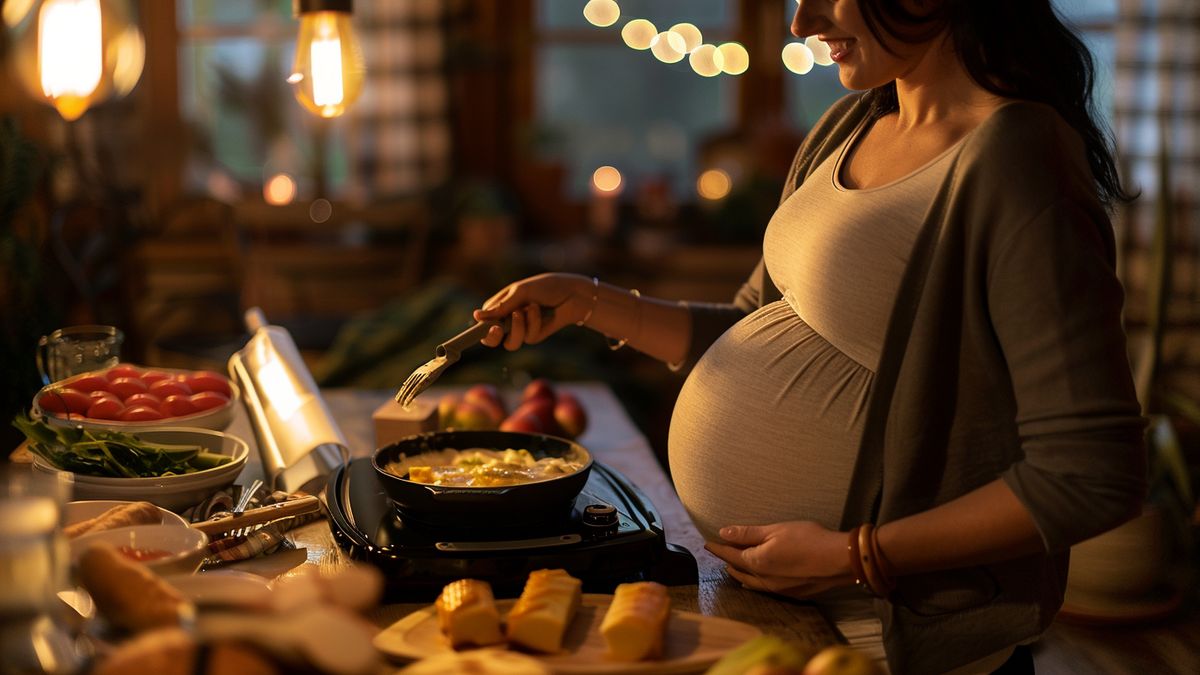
[{"x": 610, "y": 535}]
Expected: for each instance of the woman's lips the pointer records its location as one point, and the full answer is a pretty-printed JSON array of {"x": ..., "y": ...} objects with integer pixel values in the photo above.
[{"x": 838, "y": 49}]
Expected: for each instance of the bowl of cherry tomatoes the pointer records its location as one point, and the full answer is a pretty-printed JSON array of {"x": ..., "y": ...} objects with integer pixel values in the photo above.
[{"x": 127, "y": 397}]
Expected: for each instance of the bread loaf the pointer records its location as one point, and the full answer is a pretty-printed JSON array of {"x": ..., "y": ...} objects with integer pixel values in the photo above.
[
  {"x": 636, "y": 621},
  {"x": 541, "y": 615},
  {"x": 467, "y": 615},
  {"x": 127, "y": 593}
]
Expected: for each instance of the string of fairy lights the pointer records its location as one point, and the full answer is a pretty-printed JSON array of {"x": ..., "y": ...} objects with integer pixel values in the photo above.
[{"x": 684, "y": 40}]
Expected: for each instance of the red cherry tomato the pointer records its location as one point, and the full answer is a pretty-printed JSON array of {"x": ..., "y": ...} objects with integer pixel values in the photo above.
[
  {"x": 152, "y": 376},
  {"x": 65, "y": 400},
  {"x": 122, "y": 370},
  {"x": 140, "y": 413},
  {"x": 127, "y": 386},
  {"x": 106, "y": 409},
  {"x": 90, "y": 383},
  {"x": 178, "y": 405},
  {"x": 165, "y": 388},
  {"x": 142, "y": 398},
  {"x": 206, "y": 380},
  {"x": 97, "y": 395},
  {"x": 207, "y": 400}
]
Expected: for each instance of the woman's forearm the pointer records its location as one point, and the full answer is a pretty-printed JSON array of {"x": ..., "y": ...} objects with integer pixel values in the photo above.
[
  {"x": 986, "y": 525},
  {"x": 658, "y": 328}
]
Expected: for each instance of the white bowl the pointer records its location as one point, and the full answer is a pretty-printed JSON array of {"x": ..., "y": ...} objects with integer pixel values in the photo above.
[
  {"x": 215, "y": 418},
  {"x": 79, "y": 511},
  {"x": 169, "y": 492},
  {"x": 183, "y": 548}
]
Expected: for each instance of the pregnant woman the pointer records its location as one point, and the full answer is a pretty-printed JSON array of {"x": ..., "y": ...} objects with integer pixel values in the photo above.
[{"x": 922, "y": 389}]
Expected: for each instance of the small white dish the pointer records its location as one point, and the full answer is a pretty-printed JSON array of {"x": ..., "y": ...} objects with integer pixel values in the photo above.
[
  {"x": 166, "y": 549},
  {"x": 79, "y": 511},
  {"x": 229, "y": 589}
]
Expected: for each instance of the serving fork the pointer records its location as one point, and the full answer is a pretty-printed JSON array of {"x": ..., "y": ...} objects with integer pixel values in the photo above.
[{"x": 448, "y": 353}]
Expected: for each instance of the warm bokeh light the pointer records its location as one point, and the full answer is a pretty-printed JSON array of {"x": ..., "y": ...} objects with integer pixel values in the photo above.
[
  {"x": 820, "y": 51},
  {"x": 130, "y": 48},
  {"x": 714, "y": 184},
  {"x": 638, "y": 33},
  {"x": 70, "y": 53},
  {"x": 14, "y": 11},
  {"x": 797, "y": 58},
  {"x": 690, "y": 34},
  {"x": 668, "y": 47},
  {"x": 707, "y": 60},
  {"x": 279, "y": 190},
  {"x": 735, "y": 58},
  {"x": 606, "y": 179},
  {"x": 601, "y": 13},
  {"x": 320, "y": 210},
  {"x": 328, "y": 72}
]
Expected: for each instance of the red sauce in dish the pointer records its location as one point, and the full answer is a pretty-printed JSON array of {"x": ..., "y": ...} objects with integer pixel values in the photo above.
[{"x": 143, "y": 554}]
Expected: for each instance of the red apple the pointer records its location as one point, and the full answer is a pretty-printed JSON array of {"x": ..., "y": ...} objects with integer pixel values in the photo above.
[
  {"x": 523, "y": 422},
  {"x": 539, "y": 388},
  {"x": 486, "y": 396},
  {"x": 543, "y": 409},
  {"x": 570, "y": 415},
  {"x": 468, "y": 415}
]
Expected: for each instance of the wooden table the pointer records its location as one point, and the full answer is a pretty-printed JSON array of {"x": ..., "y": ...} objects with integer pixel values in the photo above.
[{"x": 615, "y": 441}]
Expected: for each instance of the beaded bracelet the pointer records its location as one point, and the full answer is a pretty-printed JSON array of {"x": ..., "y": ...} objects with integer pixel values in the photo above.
[
  {"x": 614, "y": 345},
  {"x": 595, "y": 301}
]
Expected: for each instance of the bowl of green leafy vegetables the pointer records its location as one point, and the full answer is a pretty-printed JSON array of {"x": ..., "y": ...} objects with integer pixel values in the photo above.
[{"x": 170, "y": 467}]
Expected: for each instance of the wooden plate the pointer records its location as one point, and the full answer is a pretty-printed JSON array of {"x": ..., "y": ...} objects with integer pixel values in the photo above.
[{"x": 693, "y": 641}]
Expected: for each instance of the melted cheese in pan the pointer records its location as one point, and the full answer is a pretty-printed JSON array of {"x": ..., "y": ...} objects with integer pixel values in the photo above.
[{"x": 480, "y": 467}]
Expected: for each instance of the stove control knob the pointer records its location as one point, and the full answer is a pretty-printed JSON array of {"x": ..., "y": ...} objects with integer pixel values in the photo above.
[{"x": 603, "y": 517}]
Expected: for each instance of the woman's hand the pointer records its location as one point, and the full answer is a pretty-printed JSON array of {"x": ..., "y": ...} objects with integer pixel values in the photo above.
[
  {"x": 798, "y": 558},
  {"x": 571, "y": 296}
]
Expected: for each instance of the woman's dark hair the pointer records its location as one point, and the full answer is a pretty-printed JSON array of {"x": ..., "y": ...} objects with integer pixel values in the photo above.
[{"x": 1014, "y": 48}]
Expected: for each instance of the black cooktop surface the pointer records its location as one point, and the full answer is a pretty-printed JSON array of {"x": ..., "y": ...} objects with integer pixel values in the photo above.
[{"x": 611, "y": 534}]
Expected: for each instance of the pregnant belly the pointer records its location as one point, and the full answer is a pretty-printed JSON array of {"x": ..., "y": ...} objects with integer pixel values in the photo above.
[{"x": 766, "y": 427}]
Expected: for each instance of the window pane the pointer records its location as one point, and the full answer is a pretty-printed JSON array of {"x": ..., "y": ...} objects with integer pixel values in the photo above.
[
  {"x": 245, "y": 122},
  {"x": 225, "y": 12},
  {"x": 603, "y": 105},
  {"x": 662, "y": 13}
]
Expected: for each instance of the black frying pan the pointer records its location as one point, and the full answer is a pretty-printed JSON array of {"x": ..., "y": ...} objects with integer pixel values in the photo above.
[{"x": 470, "y": 507}]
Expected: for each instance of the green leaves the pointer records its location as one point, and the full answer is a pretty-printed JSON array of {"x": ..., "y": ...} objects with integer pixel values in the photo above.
[{"x": 114, "y": 454}]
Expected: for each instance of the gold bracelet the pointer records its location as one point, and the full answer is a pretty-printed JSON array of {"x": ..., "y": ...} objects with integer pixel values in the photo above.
[
  {"x": 614, "y": 345},
  {"x": 595, "y": 301},
  {"x": 866, "y": 555}
]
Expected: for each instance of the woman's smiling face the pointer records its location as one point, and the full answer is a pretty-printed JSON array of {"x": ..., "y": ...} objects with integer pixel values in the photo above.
[{"x": 863, "y": 62}]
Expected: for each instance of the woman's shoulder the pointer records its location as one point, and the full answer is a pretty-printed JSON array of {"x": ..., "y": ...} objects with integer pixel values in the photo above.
[{"x": 1026, "y": 134}]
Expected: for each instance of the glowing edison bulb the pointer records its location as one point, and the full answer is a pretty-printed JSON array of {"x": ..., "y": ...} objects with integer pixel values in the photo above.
[
  {"x": 601, "y": 13},
  {"x": 328, "y": 72},
  {"x": 797, "y": 58},
  {"x": 690, "y": 34},
  {"x": 606, "y": 179},
  {"x": 73, "y": 54},
  {"x": 735, "y": 58},
  {"x": 668, "y": 47},
  {"x": 706, "y": 60},
  {"x": 819, "y": 49},
  {"x": 714, "y": 184},
  {"x": 638, "y": 34}
]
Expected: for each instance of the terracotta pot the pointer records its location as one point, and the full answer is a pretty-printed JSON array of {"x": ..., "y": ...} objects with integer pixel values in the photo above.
[{"x": 1124, "y": 563}]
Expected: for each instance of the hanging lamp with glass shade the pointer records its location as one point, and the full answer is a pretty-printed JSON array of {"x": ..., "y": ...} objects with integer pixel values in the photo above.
[
  {"x": 73, "y": 54},
  {"x": 327, "y": 75}
]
